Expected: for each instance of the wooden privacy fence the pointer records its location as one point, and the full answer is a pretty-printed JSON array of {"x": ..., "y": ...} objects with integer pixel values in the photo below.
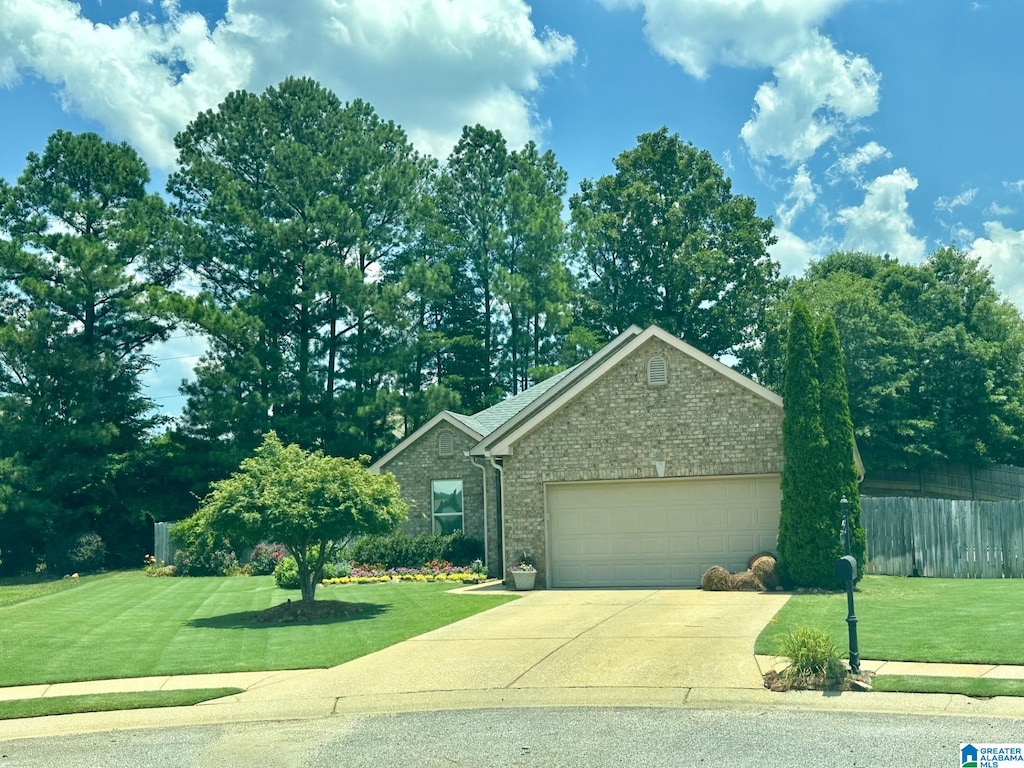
[
  {"x": 944, "y": 537},
  {"x": 162, "y": 550}
]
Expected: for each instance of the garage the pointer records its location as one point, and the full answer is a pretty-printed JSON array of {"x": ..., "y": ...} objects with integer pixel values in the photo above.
[{"x": 657, "y": 532}]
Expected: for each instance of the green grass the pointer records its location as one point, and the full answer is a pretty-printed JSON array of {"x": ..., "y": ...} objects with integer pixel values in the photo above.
[
  {"x": 972, "y": 621},
  {"x": 20, "y": 589},
  {"x": 978, "y": 687},
  {"x": 129, "y": 625},
  {"x": 107, "y": 702}
]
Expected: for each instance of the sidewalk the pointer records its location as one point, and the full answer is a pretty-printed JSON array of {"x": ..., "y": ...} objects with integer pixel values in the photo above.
[
  {"x": 249, "y": 680},
  {"x": 1000, "y": 671}
]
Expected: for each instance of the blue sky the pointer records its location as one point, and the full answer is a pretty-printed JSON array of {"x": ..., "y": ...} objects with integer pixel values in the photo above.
[{"x": 881, "y": 125}]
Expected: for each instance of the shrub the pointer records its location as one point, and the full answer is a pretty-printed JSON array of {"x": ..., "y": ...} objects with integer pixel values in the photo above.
[
  {"x": 205, "y": 557},
  {"x": 264, "y": 559},
  {"x": 286, "y": 573},
  {"x": 399, "y": 550},
  {"x": 815, "y": 660},
  {"x": 86, "y": 553},
  {"x": 154, "y": 567},
  {"x": 765, "y": 571},
  {"x": 716, "y": 579},
  {"x": 745, "y": 581}
]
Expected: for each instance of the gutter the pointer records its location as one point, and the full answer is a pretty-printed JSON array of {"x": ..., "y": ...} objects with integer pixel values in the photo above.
[
  {"x": 483, "y": 472},
  {"x": 500, "y": 501}
]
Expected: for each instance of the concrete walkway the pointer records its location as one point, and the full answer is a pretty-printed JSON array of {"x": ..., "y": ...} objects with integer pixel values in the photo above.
[{"x": 631, "y": 648}]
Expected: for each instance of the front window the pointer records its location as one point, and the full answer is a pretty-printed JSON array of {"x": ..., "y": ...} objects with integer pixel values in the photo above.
[{"x": 446, "y": 498}]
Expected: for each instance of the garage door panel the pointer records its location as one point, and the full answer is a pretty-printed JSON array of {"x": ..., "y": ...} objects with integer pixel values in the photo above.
[
  {"x": 682, "y": 545},
  {"x": 743, "y": 543},
  {"x": 657, "y": 532}
]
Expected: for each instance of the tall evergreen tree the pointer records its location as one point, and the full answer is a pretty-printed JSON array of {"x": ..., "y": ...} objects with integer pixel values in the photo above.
[
  {"x": 299, "y": 206},
  {"x": 84, "y": 259},
  {"x": 808, "y": 526},
  {"x": 499, "y": 233},
  {"x": 841, "y": 471}
]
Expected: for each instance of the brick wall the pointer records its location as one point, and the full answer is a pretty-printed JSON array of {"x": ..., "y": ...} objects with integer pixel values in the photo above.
[
  {"x": 420, "y": 464},
  {"x": 700, "y": 423}
]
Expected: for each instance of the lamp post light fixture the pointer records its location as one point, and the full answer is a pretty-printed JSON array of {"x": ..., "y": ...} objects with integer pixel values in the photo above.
[{"x": 846, "y": 570}]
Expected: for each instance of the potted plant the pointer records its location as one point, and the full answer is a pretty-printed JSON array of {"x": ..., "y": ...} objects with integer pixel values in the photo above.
[{"x": 523, "y": 575}]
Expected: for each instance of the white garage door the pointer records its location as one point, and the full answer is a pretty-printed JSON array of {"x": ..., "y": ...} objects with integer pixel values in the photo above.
[{"x": 648, "y": 533}]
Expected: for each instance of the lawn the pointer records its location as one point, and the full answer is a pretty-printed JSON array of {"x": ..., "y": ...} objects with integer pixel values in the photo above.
[
  {"x": 130, "y": 625},
  {"x": 20, "y": 589},
  {"x": 108, "y": 702},
  {"x": 910, "y": 619}
]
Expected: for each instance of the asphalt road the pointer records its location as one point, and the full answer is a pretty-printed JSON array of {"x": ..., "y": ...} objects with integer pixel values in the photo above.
[{"x": 513, "y": 738}]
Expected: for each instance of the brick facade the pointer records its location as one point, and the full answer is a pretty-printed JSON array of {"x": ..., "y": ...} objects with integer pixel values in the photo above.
[
  {"x": 420, "y": 464},
  {"x": 701, "y": 423}
]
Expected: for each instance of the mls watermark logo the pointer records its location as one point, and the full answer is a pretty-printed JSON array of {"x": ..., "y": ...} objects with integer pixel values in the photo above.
[{"x": 991, "y": 755}]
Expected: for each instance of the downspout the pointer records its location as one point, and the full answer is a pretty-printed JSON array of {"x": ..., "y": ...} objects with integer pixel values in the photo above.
[
  {"x": 500, "y": 499},
  {"x": 483, "y": 472}
]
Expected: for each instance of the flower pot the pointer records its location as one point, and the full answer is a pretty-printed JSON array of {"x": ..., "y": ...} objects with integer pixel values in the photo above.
[{"x": 523, "y": 580}]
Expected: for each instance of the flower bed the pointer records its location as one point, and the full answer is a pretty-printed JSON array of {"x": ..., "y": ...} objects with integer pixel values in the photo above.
[{"x": 435, "y": 570}]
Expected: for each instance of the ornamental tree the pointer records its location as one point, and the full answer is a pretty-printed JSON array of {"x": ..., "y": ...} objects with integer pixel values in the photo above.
[
  {"x": 808, "y": 526},
  {"x": 310, "y": 503}
]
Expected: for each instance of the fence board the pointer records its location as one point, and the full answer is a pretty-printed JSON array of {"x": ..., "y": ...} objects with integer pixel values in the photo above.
[{"x": 943, "y": 537}]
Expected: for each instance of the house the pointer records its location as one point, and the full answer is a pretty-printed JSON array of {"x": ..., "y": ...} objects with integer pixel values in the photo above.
[{"x": 641, "y": 466}]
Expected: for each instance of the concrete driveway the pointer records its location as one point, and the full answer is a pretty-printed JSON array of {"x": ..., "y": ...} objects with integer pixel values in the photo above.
[{"x": 606, "y": 646}]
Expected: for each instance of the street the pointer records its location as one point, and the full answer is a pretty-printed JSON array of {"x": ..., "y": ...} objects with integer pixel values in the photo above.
[{"x": 578, "y": 737}]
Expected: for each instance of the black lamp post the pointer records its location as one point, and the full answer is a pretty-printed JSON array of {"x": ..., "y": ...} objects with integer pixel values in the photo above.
[{"x": 846, "y": 570}]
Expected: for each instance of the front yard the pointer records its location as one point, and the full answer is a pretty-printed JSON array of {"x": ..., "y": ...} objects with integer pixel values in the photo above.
[
  {"x": 972, "y": 621},
  {"x": 128, "y": 625}
]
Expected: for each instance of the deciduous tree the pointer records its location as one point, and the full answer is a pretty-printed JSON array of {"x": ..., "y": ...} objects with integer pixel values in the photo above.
[
  {"x": 310, "y": 503},
  {"x": 664, "y": 240}
]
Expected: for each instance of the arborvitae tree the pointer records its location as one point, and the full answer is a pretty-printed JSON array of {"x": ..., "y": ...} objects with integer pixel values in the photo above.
[
  {"x": 840, "y": 466},
  {"x": 808, "y": 526}
]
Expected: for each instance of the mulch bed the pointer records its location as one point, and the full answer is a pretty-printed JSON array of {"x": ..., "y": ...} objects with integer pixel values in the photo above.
[
  {"x": 300, "y": 611},
  {"x": 775, "y": 681}
]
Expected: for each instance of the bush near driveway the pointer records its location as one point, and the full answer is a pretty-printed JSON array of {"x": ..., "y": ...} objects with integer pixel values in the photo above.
[{"x": 128, "y": 625}]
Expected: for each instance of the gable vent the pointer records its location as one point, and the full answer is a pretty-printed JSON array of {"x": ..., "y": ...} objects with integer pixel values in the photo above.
[
  {"x": 445, "y": 444},
  {"x": 657, "y": 372}
]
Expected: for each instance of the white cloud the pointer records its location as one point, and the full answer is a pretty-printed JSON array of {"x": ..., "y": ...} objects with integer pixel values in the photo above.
[
  {"x": 801, "y": 196},
  {"x": 793, "y": 252},
  {"x": 817, "y": 94},
  {"x": 431, "y": 65},
  {"x": 882, "y": 223},
  {"x": 1016, "y": 186},
  {"x": 949, "y": 203},
  {"x": 700, "y": 34},
  {"x": 997, "y": 209},
  {"x": 1003, "y": 252},
  {"x": 850, "y": 164}
]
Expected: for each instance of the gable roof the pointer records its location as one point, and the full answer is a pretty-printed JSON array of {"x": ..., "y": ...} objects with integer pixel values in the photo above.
[
  {"x": 499, "y": 441},
  {"x": 483, "y": 423},
  {"x": 460, "y": 422},
  {"x": 494, "y": 417}
]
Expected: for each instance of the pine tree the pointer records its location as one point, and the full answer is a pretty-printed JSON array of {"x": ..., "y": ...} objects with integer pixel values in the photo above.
[
  {"x": 808, "y": 527},
  {"x": 840, "y": 468}
]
